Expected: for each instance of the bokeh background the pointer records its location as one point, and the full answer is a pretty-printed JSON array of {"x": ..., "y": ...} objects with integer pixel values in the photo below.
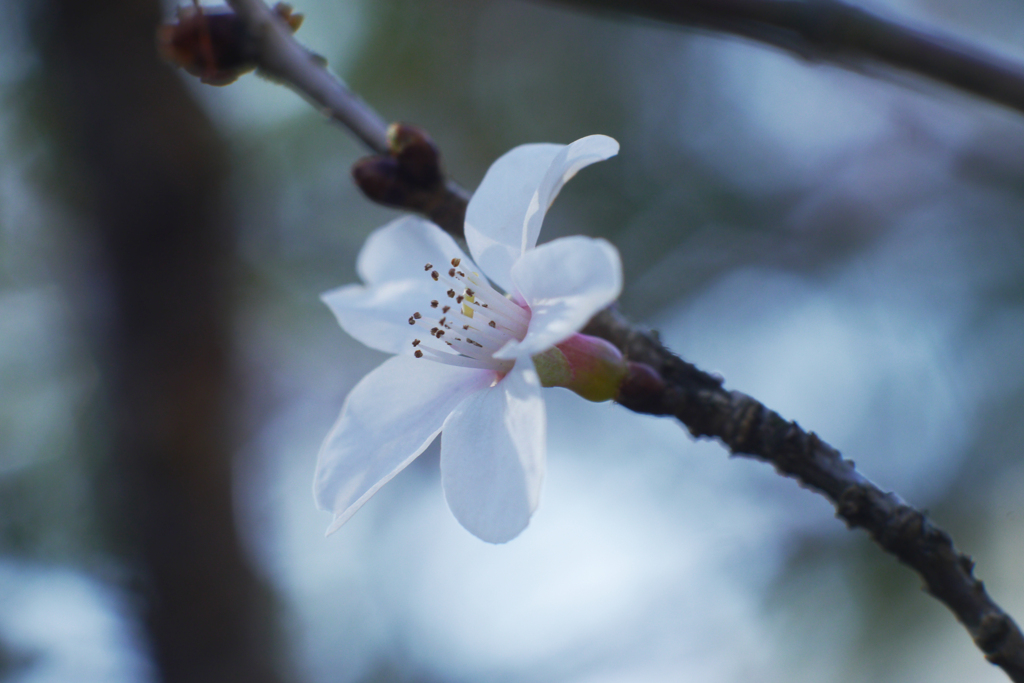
[{"x": 848, "y": 249}]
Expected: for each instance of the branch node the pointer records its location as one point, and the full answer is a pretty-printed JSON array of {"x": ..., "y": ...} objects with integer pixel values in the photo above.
[
  {"x": 642, "y": 390},
  {"x": 993, "y": 634},
  {"x": 214, "y": 43},
  {"x": 410, "y": 176}
]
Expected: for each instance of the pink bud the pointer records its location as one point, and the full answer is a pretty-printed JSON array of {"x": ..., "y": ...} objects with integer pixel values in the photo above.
[{"x": 589, "y": 366}]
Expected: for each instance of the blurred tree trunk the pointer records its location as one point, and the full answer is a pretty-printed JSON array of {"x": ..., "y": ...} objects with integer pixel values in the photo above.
[{"x": 147, "y": 171}]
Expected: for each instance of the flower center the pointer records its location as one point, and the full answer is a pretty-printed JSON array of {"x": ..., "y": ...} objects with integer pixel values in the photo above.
[{"x": 468, "y": 321}]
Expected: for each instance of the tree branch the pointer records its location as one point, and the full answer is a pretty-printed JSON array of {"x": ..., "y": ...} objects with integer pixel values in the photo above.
[
  {"x": 749, "y": 429},
  {"x": 660, "y": 382},
  {"x": 833, "y": 31},
  {"x": 282, "y": 58}
]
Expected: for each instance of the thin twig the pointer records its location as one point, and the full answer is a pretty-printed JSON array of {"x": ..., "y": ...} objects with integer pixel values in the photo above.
[
  {"x": 282, "y": 58},
  {"x": 663, "y": 384},
  {"x": 833, "y": 31}
]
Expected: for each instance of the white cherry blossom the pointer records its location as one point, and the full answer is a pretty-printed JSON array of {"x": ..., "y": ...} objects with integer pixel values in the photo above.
[{"x": 464, "y": 362}]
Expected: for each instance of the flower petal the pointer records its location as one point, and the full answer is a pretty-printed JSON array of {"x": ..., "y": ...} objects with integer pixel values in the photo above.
[
  {"x": 504, "y": 215},
  {"x": 493, "y": 455},
  {"x": 391, "y": 263},
  {"x": 399, "y": 250},
  {"x": 564, "y": 282},
  {"x": 388, "y": 419},
  {"x": 379, "y": 316}
]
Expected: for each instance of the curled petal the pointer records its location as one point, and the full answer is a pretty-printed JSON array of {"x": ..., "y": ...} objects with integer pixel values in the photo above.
[
  {"x": 564, "y": 282},
  {"x": 504, "y": 216},
  {"x": 493, "y": 455},
  {"x": 388, "y": 419},
  {"x": 564, "y": 166}
]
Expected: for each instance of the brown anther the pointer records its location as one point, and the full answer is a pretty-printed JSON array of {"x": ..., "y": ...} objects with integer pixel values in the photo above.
[
  {"x": 450, "y": 293},
  {"x": 415, "y": 342},
  {"x": 461, "y": 274},
  {"x": 417, "y": 315},
  {"x": 470, "y": 292},
  {"x": 412, "y": 320},
  {"x": 465, "y": 327},
  {"x": 440, "y": 333},
  {"x": 493, "y": 324},
  {"x": 434, "y": 274},
  {"x": 418, "y": 354},
  {"x": 446, "y": 309},
  {"x": 458, "y": 299},
  {"x": 456, "y": 261},
  {"x": 434, "y": 303},
  {"x": 441, "y": 321},
  {"x": 451, "y": 272},
  {"x": 433, "y": 330},
  {"x": 429, "y": 266}
]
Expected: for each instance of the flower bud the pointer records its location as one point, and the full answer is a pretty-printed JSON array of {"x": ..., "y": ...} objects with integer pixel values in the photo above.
[
  {"x": 589, "y": 366},
  {"x": 417, "y": 155},
  {"x": 213, "y": 43},
  {"x": 408, "y": 176}
]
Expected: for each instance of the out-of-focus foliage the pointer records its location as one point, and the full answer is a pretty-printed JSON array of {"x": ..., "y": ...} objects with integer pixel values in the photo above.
[{"x": 847, "y": 249}]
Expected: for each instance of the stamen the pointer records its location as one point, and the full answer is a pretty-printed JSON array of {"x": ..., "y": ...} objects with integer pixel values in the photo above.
[
  {"x": 509, "y": 309},
  {"x": 471, "y": 350},
  {"x": 515, "y": 327},
  {"x": 488, "y": 320},
  {"x": 473, "y": 286},
  {"x": 494, "y": 337},
  {"x": 426, "y": 325},
  {"x": 466, "y": 362}
]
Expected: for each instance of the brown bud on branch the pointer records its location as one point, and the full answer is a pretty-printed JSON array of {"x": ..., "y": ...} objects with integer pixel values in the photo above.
[
  {"x": 410, "y": 177},
  {"x": 213, "y": 43}
]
